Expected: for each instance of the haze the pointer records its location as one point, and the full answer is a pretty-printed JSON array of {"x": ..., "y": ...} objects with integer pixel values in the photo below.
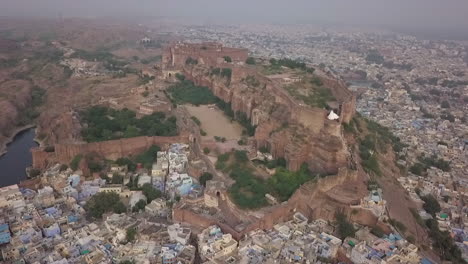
[{"x": 407, "y": 14}]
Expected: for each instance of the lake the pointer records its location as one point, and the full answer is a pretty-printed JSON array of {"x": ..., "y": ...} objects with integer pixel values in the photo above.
[{"x": 17, "y": 158}]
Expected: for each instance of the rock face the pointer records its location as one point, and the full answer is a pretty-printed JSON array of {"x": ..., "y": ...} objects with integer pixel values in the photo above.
[
  {"x": 294, "y": 131},
  {"x": 15, "y": 96}
]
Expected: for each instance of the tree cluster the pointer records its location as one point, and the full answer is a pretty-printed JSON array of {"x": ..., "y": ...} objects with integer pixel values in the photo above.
[
  {"x": 186, "y": 91},
  {"x": 102, "y": 203},
  {"x": 292, "y": 64},
  {"x": 107, "y": 124},
  {"x": 345, "y": 228}
]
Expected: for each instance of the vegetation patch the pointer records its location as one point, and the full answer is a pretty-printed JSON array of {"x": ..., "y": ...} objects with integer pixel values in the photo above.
[
  {"x": 344, "y": 227},
  {"x": 292, "y": 64},
  {"x": 186, "y": 92},
  {"x": 146, "y": 159},
  {"x": 102, "y": 203},
  {"x": 104, "y": 123},
  {"x": 443, "y": 243},
  {"x": 424, "y": 163},
  {"x": 249, "y": 190}
]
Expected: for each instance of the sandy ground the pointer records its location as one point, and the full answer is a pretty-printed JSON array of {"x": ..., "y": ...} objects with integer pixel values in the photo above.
[{"x": 215, "y": 123}]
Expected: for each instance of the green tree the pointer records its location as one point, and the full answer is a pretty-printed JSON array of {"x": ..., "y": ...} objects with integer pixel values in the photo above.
[
  {"x": 102, "y": 203},
  {"x": 76, "y": 162},
  {"x": 117, "y": 178},
  {"x": 187, "y": 92},
  {"x": 150, "y": 192},
  {"x": 140, "y": 205},
  {"x": 241, "y": 156},
  {"x": 206, "y": 151},
  {"x": 345, "y": 228},
  {"x": 63, "y": 167},
  {"x": 227, "y": 59},
  {"x": 131, "y": 234},
  {"x": 205, "y": 177},
  {"x": 431, "y": 205}
]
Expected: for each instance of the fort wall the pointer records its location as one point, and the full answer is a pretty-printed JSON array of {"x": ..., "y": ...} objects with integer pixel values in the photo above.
[
  {"x": 312, "y": 200},
  {"x": 111, "y": 150}
]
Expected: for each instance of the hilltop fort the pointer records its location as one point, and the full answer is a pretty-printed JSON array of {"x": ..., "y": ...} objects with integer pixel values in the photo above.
[{"x": 286, "y": 125}]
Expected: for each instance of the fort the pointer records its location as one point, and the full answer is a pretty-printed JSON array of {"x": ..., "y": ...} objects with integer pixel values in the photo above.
[{"x": 291, "y": 130}]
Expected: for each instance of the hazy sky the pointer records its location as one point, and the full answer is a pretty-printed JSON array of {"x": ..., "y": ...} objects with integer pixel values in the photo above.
[{"x": 413, "y": 13}]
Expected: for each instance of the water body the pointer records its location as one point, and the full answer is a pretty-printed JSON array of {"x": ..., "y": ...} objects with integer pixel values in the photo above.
[{"x": 17, "y": 158}]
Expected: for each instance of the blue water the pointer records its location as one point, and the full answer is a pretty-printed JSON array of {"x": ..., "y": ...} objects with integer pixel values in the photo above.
[{"x": 18, "y": 157}]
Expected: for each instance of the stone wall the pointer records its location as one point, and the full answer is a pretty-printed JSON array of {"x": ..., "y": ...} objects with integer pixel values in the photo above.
[
  {"x": 312, "y": 200},
  {"x": 111, "y": 150}
]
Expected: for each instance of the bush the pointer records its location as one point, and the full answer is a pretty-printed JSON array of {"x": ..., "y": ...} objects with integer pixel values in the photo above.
[
  {"x": 76, "y": 162},
  {"x": 227, "y": 59},
  {"x": 196, "y": 120},
  {"x": 206, "y": 151},
  {"x": 223, "y": 157}
]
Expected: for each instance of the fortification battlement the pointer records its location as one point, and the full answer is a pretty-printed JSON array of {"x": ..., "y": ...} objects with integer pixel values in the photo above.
[{"x": 207, "y": 53}]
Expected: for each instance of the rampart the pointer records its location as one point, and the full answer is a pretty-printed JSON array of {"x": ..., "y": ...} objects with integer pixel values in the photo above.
[
  {"x": 111, "y": 150},
  {"x": 313, "y": 200}
]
